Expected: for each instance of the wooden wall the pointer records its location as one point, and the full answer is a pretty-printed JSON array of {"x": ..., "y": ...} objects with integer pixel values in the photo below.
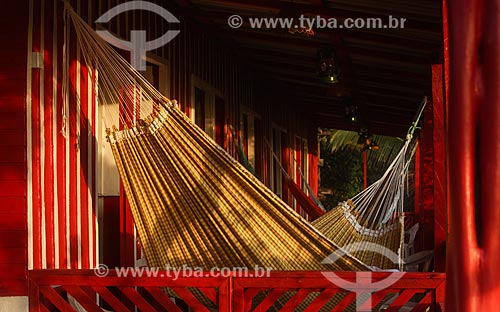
[
  {"x": 48, "y": 141},
  {"x": 61, "y": 148},
  {"x": 13, "y": 234}
]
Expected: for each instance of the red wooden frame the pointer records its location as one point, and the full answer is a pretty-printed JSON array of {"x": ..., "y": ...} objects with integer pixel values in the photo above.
[
  {"x": 48, "y": 288},
  {"x": 300, "y": 284}
]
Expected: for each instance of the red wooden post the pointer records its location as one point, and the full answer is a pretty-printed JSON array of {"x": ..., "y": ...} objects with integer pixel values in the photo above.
[
  {"x": 474, "y": 169},
  {"x": 286, "y": 163},
  {"x": 298, "y": 163},
  {"x": 440, "y": 297},
  {"x": 313, "y": 159},
  {"x": 34, "y": 296},
  {"x": 426, "y": 217},
  {"x": 225, "y": 301},
  {"x": 418, "y": 189},
  {"x": 439, "y": 177},
  {"x": 431, "y": 155}
]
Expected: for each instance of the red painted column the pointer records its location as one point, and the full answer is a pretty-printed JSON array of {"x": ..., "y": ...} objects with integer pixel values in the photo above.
[
  {"x": 426, "y": 214},
  {"x": 439, "y": 175},
  {"x": 298, "y": 160},
  {"x": 474, "y": 157},
  {"x": 418, "y": 199},
  {"x": 432, "y": 213},
  {"x": 313, "y": 159}
]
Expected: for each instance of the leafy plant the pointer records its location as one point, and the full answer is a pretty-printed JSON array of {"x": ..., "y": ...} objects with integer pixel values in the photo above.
[{"x": 342, "y": 169}]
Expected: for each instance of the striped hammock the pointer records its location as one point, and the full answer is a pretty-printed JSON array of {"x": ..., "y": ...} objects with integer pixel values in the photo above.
[{"x": 194, "y": 205}]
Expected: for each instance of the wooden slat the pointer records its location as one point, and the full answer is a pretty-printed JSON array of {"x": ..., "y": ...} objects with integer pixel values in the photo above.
[
  {"x": 210, "y": 293},
  {"x": 374, "y": 300},
  {"x": 270, "y": 299},
  {"x": 110, "y": 298},
  {"x": 137, "y": 299},
  {"x": 12, "y": 205},
  {"x": 13, "y": 87},
  {"x": 54, "y": 298},
  {"x": 296, "y": 300},
  {"x": 12, "y": 171},
  {"x": 189, "y": 299},
  {"x": 13, "y": 104},
  {"x": 12, "y": 188},
  {"x": 321, "y": 300},
  {"x": 13, "y": 255},
  {"x": 13, "y": 286},
  {"x": 12, "y": 270},
  {"x": 249, "y": 294},
  {"x": 423, "y": 304},
  {"x": 162, "y": 299},
  {"x": 15, "y": 121},
  {"x": 83, "y": 299},
  {"x": 13, "y": 239},
  {"x": 12, "y": 221},
  {"x": 402, "y": 299},
  {"x": 345, "y": 302}
]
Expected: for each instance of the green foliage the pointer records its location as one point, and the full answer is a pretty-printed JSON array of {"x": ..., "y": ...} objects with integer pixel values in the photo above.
[
  {"x": 342, "y": 172},
  {"x": 342, "y": 169}
]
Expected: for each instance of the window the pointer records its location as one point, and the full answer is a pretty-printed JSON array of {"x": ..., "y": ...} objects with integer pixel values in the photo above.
[
  {"x": 277, "y": 185},
  {"x": 208, "y": 110},
  {"x": 220, "y": 121},
  {"x": 199, "y": 107},
  {"x": 301, "y": 167},
  {"x": 304, "y": 166},
  {"x": 248, "y": 136},
  {"x": 278, "y": 159}
]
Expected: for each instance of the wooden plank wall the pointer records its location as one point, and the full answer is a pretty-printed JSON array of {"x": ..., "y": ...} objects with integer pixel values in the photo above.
[
  {"x": 56, "y": 216},
  {"x": 13, "y": 234},
  {"x": 61, "y": 148}
]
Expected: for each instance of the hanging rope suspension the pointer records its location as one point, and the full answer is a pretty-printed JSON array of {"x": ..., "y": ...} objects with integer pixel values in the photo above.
[
  {"x": 375, "y": 215},
  {"x": 192, "y": 203}
]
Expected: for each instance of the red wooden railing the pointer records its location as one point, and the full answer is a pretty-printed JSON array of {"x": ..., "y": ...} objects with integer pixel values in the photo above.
[{"x": 68, "y": 290}]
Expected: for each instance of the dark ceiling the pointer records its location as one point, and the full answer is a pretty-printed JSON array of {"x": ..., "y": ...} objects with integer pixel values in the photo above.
[{"x": 386, "y": 71}]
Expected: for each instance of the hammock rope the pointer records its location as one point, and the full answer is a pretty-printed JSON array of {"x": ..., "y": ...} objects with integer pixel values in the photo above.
[{"x": 376, "y": 214}]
